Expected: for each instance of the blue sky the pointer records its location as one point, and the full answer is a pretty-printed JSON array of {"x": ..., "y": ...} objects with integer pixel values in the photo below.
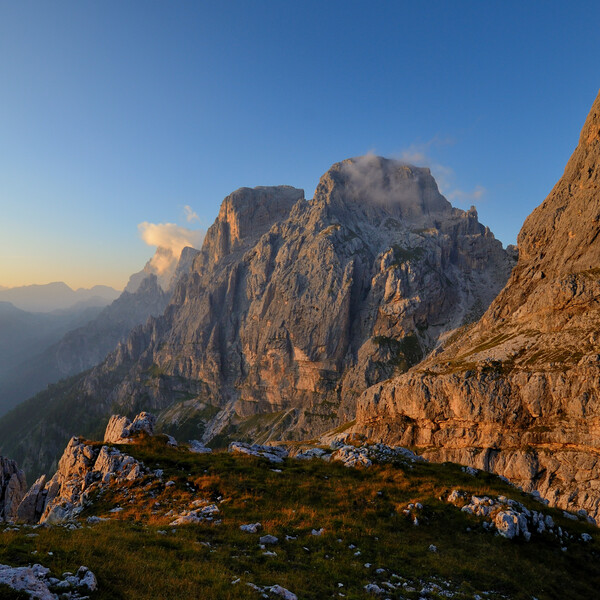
[{"x": 117, "y": 113}]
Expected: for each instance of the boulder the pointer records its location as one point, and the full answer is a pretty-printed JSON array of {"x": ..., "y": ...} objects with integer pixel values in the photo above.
[
  {"x": 26, "y": 579},
  {"x": 507, "y": 524},
  {"x": 282, "y": 592},
  {"x": 12, "y": 488},
  {"x": 36, "y": 582},
  {"x": 274, "y": 454},
  {"x": 120, "y": 429},
  {"x": 32, "y": 506},
  {"x": 198, "y": 447},
  {"x": 268, "y": 539}
]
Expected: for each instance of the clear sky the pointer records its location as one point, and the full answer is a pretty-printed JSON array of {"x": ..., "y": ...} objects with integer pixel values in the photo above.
[{"x": 117, "y": 113}]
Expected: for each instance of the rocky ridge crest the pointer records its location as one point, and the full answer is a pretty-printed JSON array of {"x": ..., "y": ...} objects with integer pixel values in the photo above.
[{"x": 292, "y": 308}]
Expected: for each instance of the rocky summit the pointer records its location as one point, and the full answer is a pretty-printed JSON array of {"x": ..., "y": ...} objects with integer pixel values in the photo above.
[
  {"x": 518, "y": 392},
  {"x": 293, "y": 308}
]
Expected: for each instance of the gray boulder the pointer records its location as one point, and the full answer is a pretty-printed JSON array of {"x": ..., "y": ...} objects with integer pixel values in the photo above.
[
  {"x": 120, "y": 429},
  {"x": 12, "y": 488}
]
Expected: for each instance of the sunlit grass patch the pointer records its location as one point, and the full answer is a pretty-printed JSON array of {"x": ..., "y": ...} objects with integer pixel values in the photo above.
[{"x": 335, "y": 525}]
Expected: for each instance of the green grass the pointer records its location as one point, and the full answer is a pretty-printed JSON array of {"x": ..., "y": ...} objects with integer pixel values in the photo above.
[
  {"x": 362, "y": 507},
  {"x": 7, "y": 593},
  {"x": 402, "y": 255},
  {"x": 186, "y": 420}
]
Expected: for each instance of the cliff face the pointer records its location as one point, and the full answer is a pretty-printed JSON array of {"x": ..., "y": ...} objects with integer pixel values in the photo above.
[
  {"x": 518, "y": 393},
  {"x": 290, "y": 311},
  {"x": 293, "y": 308}
]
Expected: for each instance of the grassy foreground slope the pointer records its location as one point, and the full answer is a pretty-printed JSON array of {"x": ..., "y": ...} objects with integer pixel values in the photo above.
[{"x": 367, "y": 537}]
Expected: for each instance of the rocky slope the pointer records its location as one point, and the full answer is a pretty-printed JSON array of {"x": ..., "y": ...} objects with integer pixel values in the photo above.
[
  {"x": 352, "y": 519},
  {"x": 293, "y": 308},
  {"x": 518, "y": 393}
]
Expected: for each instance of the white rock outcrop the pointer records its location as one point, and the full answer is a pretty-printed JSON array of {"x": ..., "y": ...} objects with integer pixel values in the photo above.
[
  {"x": 198, "y": 447},
  {"x": 274, "y": 454},
  {"x": 510, "y": 518},
  {"x": 82, "y": 469},
  {"x": 120, "y": 429},
  {"x": 35, "y": 581}
]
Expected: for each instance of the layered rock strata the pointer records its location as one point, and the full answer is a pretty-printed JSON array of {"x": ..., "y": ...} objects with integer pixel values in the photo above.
[{"x": 519, "y": 392}]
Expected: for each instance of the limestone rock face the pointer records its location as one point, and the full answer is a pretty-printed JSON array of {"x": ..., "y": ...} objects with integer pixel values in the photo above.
[
  {"x": 120, "y": 429},
  {"x": 518, "y": 393},
  {"x": 82, "y": 469},
  {"x": 12, "y": 488},
  {"x": 293, "y": 307},
  {"x": 117, "y": 429}
]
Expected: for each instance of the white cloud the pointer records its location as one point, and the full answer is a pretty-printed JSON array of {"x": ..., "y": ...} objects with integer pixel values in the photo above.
[
  {"x": 190, "y": 214},
  {"x": 170, "y": 240},
  {"x": 419, "y": 155}
]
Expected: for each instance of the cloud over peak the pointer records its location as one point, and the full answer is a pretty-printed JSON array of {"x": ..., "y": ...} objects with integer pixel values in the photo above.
[{"x": 170, "y": 239}]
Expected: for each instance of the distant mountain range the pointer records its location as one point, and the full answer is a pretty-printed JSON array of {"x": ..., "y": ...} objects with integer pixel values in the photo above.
[
  {"x": 23, "y": 335},
  {"x": 56, "y": 296},
  {"x": 40, "y": 348}
]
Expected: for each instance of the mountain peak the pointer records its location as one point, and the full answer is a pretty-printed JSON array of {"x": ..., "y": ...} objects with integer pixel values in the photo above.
[
  {"x": 524, "y": 379},
  {"x": 557, "y": 237},
  {"x": 376, "y": 183},
  {"x": 248, "y": 213}
]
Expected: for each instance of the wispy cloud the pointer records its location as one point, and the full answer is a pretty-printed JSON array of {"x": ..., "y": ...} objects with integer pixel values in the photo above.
[
  {"x": 419, "y": 154},
  {"x": 190, "y": 214},
  {"x": 170, "y": 240},
  {"x": 461, "y": 196}
]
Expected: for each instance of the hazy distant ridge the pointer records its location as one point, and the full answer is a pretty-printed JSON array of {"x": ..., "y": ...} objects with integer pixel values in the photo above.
[{"x": 56, "y": 296}]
